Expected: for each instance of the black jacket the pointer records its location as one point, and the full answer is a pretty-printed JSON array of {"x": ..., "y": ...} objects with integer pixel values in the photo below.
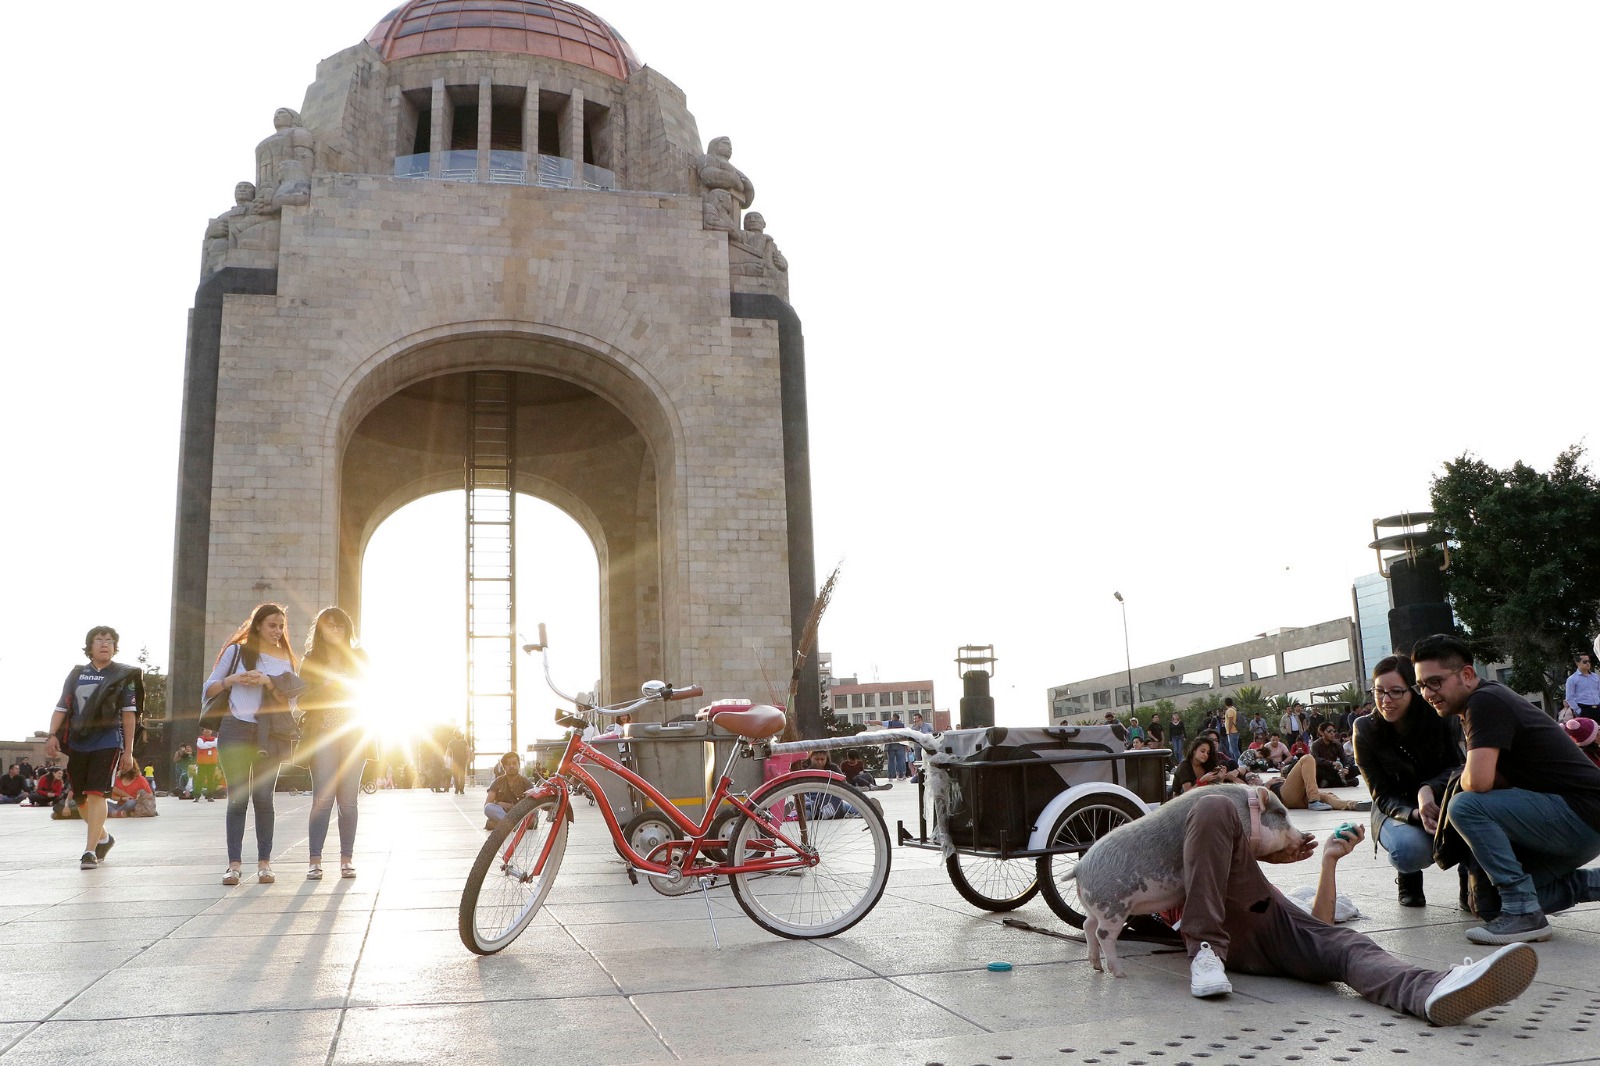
[{"x": 1396, "y": 768}]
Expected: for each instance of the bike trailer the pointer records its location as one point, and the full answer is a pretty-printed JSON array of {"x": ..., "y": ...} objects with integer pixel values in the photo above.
[{"x": 1001, "y": 779}]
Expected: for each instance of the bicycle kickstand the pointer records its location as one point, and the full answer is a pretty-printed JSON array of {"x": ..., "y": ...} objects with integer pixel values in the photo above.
[{"x": 705, "y": 883}]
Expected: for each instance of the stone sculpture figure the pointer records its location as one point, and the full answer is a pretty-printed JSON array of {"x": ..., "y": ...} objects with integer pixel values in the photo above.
[
  {"x": 220, "y": 230},
  {"x": 290, "y": 141},
  {"x": 727, "y": 191},
  {"x": 753, "y": 254}
]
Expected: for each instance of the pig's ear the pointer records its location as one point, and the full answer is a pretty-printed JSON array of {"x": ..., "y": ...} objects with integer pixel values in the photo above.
[{"x": 1264, "y": 794}]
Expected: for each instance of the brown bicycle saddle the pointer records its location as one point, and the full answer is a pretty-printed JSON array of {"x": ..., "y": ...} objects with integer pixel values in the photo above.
[{"x": 751, "y": 721}]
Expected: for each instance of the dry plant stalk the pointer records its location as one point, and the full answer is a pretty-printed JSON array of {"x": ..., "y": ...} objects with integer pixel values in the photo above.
[{"x": 802, "y": 652}]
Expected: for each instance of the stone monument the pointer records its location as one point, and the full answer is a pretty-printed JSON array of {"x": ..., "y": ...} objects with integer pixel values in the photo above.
[{"x": 501, "y": 187}]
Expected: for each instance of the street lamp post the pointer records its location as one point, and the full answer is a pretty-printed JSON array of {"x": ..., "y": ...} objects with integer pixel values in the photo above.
[{"x": 1126, "y": 651}]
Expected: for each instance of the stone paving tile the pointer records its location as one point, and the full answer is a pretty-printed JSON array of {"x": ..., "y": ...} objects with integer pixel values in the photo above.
[
  {"x": 222, "y": 984},
  {"x": 752, "y": 964},
  {"x": 799, "y": 1016},
  {"x": 543, "y": 963},
  {"x": 46, "y": 990},
  {"x": 130, "y": 908},
  {"x": 961, "y": 944},
  {"x": 387, "y": 925},
  {"x": 319, "y": 922},
  {"x": 573, "y": 1032},
  {"x": 31, "y": 930},
  {"x": 284, "y": 1037}
]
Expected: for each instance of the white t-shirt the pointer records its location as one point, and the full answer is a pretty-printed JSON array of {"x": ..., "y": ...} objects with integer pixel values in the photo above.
[{"x": 245, "y": 700}]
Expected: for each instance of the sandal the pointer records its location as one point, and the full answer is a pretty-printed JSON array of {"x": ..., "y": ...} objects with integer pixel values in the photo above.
[
  {"x": 230, "y": 876},
  {"x": 265, "y": 876},
  {"x": 314, "y": 873},
  {"x": 347, "y": 870}
]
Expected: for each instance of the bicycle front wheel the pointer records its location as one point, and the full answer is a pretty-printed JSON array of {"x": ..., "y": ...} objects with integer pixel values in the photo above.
[
  {"x": 844, "y": 831},
  {"x": 504, "y": 890}
]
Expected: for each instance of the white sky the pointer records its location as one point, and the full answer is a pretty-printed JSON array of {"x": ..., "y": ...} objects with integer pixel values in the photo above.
[{"x": 1164, "y": 298}]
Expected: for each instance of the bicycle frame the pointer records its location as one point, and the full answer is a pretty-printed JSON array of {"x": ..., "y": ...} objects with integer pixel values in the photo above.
[{"x": 579, "y": 754}]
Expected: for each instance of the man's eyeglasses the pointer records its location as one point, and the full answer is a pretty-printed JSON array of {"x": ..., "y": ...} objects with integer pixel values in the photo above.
[
  {"x": 1434, "y": 684},
  {"x": 1390, "y": 693}
]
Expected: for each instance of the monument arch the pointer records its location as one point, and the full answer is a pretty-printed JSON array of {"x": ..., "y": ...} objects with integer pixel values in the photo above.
[{"x": 495, "y": 198}]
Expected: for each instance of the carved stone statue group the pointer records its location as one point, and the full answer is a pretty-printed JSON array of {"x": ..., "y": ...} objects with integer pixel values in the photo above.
[
  {"x": 284, "y": 164},
  {"x": 753, "y": 257},
  {"x": 286, "y": 160}
]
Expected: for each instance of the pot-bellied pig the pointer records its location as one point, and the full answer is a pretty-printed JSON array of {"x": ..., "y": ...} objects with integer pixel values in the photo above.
[{"x": 1137, "y": 868}]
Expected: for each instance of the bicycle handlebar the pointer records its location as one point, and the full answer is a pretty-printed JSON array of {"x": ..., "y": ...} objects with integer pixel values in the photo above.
[{"x": 688, "y": 692}]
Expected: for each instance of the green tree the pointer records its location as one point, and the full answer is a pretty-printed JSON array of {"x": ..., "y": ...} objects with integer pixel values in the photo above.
[
  {"x": 155, "y": 688},
  {"x": 1524, "y": 575},
  {"x": 1250, "y": 700}
]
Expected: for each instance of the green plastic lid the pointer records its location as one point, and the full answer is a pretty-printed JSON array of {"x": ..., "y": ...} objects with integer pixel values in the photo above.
[{"x": 999, "y": 967}]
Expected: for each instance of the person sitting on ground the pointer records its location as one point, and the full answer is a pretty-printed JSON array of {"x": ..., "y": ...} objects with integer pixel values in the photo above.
[
  {"x": 506, "y": 790},
  {"x": 819, "y": 805},
  {"x": 50, "y": 788},
  {"x": 1298, "y": 749},
  {"x": 855, "y": 770},
  {"x": 1299, "y": 791},
  {"x": 1585, "y": 732},
  {"x": 128, "y": 797},
  {"x": 1220, "y": 753},
  {"x": 1277, "y": 752},
  {"x": 1332, "y": 768},
  {"x": 1235, "y": 920},
  {"x": 13, "y": 786},
  {"x": 1203, "y": 764}
]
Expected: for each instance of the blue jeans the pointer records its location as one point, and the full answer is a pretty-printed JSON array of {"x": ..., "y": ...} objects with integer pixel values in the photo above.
[
  {"x": 250, "y": 776},
  {"x": 1230, "y": 741},
  {"x": 494, "y": 811},
  {"x": 1531, "y": 844},
  {"x": 896, "y": 767},
  {"x": 1410, "y": 847},
  {"x": 336, "y": 763}
]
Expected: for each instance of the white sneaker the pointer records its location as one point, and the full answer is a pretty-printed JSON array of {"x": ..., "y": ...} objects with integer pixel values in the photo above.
[
  {"x": 1475, "y": 986},
  {"x": 1206, "y": 975}
]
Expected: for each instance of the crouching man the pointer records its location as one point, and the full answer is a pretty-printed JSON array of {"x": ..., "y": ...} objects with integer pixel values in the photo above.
[{"x": 1235, "y": 920}]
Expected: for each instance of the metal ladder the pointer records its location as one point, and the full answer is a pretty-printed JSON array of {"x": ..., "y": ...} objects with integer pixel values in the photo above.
[{"x": 491, "y": 565}]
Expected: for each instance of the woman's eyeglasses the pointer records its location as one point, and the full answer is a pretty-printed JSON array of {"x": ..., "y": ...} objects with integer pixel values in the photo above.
[{"x": 1390, "y": 693}]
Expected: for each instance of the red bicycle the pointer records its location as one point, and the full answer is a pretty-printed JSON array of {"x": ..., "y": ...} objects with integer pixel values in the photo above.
[{"x": 807, "y": 855}]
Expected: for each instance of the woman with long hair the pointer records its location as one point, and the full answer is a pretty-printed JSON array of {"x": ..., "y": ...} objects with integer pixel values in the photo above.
[
  {"x": 332, "y": 671},
  {"x": 1199, "y": 767},
  {"x": 256, "y": 667},
  {"x": 1406, "y": 752}
]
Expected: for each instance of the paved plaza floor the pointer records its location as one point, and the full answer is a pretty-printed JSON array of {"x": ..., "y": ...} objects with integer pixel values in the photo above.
[{"x": 151, "y": 959}]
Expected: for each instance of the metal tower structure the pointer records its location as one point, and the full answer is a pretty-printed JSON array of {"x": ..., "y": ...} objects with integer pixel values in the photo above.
[{"x": 491, "y": 568}]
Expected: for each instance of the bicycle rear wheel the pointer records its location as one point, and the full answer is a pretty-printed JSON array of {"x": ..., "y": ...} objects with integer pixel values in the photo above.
[
  {"x": 503, "y": 893},
  {"x": 843, "y": 830}
]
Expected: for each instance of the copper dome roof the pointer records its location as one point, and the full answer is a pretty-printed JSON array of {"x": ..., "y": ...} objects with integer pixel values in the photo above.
[{"x": 549, "y": 28}]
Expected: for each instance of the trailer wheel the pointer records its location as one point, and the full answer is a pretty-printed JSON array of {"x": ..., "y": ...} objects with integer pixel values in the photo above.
[{"x": 1076, "y": 828}]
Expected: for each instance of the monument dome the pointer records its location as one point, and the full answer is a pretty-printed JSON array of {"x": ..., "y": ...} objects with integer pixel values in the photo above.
[{"x": 549, "y": 28}]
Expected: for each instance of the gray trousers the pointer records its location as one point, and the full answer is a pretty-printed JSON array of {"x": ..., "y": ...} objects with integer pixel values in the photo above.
[{"x": 1254, "y": 929}]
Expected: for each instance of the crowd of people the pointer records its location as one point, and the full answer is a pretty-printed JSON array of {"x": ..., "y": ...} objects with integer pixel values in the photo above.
[{"x": 1461, "y": 772}]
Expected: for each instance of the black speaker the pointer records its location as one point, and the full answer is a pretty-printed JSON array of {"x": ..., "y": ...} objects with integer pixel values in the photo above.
[
  {"x": 1411, "y": 623},
  {"x": 977, "y": 706},
  {"x": 1417, "y": 580}
]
